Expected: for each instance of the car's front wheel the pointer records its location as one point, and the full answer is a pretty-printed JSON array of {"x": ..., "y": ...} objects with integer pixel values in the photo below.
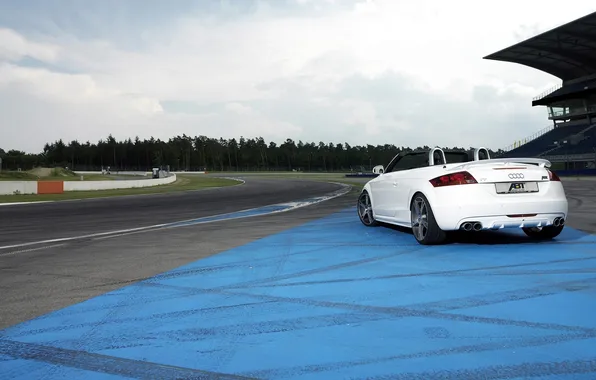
[
  {"x": 543, "y": 233},
  {"x": 365, "y": 211},
  {"x": 424, "y": 225}
]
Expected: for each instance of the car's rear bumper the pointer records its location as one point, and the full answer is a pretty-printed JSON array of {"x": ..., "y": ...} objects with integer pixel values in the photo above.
[{"x": 480, "y": 203}]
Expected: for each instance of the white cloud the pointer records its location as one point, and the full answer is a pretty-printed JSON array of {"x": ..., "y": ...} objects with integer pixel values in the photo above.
[
  {"x": 14, "y": 47},
  {"x": 370, "y": 71}
]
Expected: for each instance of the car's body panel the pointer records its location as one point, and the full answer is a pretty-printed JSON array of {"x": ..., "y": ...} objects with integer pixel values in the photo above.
[{"x": 391, "y": 193}]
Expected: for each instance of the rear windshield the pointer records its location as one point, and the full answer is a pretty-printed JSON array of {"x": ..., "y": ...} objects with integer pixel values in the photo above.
[{"x": 453, "y": 157}]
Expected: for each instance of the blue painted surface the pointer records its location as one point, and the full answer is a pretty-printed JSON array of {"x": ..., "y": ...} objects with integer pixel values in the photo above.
[{"x": 334, "y": 299}]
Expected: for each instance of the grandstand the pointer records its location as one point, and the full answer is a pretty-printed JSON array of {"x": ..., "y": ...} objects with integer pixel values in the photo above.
[{"x": 567, "y": 52}]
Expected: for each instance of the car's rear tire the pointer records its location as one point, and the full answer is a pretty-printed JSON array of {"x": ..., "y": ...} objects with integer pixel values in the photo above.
[
  {"x": 543, "y": 233},
  {"x": 365, "y": 211},
  {"x": 424, "y": 225}
]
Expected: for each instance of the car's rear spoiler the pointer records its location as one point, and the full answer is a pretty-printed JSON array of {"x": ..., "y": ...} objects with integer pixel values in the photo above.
[{"x": 516, "y": 160}]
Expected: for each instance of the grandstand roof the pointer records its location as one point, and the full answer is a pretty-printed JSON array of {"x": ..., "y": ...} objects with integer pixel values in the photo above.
[{"x": 567, "y": 52}]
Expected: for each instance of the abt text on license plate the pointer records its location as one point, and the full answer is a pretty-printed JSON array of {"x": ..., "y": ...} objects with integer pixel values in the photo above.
[{"x": 516, "y": 187}]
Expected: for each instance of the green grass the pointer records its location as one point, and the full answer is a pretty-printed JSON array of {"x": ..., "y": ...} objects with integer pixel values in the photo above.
[
  {"x": 182, "y": 183},
  {"x": 185, "y": 182},
  {"x": 17, "y": 176},
  {"x": 339, "y": 177},
  {"x": 284, "y": 173},
  {"x": 58, "y": 174}
]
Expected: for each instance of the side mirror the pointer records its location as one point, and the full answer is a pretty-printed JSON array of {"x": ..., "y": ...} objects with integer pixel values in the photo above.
[{"x": 379, "y": 169}]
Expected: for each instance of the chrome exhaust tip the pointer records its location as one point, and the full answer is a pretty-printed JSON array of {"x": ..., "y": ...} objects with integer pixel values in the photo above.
[
  {"x": 477, "y": 226},
  {"x": 467, "y": 226}
]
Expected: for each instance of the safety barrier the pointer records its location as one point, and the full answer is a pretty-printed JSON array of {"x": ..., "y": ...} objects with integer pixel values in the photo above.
[
  {"x": 115, "y": 173},
  {"x": 113, "y": 185},
  {"x": 59, "y": 187},
  {"x": 50, "y": 187},
  {"x": 18, "y": 187}
]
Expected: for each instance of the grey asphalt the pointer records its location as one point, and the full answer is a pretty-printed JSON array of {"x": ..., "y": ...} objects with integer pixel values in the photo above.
[
  {"x": 36, "y": 222},
  {"x": 38, "y": 281},
  {"x": 35, "y": 282},
  {"x": 581, "y": 195}
]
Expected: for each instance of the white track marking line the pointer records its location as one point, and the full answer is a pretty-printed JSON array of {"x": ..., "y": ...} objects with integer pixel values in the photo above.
[
  {"x": 292, "y": 205},
  {"x": 192, "y": 222},
  {"x": 23, "y": 203},
  {"x": 31, "y": 250}
]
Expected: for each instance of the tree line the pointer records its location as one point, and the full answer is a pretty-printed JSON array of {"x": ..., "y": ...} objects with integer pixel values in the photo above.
[{"x": 185, "y": 153}]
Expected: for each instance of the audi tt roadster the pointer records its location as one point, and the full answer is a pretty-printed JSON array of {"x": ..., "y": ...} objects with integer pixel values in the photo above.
[{"x": 436, "y": 191}]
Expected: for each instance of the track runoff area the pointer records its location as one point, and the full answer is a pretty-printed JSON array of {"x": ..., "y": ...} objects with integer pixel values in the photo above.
[{"x": 328, "y": 298}]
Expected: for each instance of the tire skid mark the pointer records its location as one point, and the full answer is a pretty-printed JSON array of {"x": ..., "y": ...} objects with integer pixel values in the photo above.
[
  {"x": 538, "y": 272},
  {"x": 236, "y": 331},
  {"x": 91, "y": 334},
  {"x": 251, "y": 261},
  {"x": 404, "y": 311},
  {"x": 145, "y": 282},
  {"x": 433, "y": 273},
  {"x": 245, "y": 263},
  {"x": 317, "y": 270},
  {"x": 103, "y": 364},
  {"x": 159, "y": 317},
  {"x": 506, "y": 296},
  {"x": 230, "y": 342},
  {"x": 395, "y": 311},
  {"x": 524, "y": 370}
]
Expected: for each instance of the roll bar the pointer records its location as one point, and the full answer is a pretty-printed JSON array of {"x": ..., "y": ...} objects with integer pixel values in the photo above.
[
  {"x": 431, "y": 156},
  {"x": 477, "y": 153}
]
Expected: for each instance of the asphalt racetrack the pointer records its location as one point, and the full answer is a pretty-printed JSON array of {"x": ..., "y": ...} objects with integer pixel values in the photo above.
[
  {"x": 38, "y": 222},
  {"x": 309, "y": 293}
]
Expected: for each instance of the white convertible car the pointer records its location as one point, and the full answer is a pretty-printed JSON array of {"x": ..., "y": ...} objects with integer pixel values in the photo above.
[{"x": 436, "y": 191}]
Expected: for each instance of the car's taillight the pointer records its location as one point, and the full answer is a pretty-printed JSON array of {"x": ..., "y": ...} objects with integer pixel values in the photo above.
[
  {"x": 553, "y": 176},
  {"x": 459, "y": 178}
]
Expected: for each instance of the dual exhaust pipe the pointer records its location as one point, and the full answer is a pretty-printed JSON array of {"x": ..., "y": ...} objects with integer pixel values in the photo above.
[
  {"x": 469, "y": 226},
  {"x": 477, "y": 226}
]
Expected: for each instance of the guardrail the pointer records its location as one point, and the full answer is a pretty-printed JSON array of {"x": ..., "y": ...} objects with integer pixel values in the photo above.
[
  {"x": 114, "y": 185},
  {"x": 547, "y": 92},
  {"x": 135, "y": 173},
  {"x": 569, "y": 157},
  {"x": 18, "y": 187},
  {"x": 530, "y": 138}
]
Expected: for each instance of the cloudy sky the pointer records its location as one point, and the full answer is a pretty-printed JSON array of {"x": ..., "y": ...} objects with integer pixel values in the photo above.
[{"x": 359, "y": 71}]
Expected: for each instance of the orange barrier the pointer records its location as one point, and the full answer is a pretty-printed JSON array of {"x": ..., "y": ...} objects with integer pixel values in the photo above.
[{"x": 50, "y": 187}]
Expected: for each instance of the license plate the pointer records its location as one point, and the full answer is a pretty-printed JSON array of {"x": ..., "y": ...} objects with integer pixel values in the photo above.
[{"x": 516, "y": 187}]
